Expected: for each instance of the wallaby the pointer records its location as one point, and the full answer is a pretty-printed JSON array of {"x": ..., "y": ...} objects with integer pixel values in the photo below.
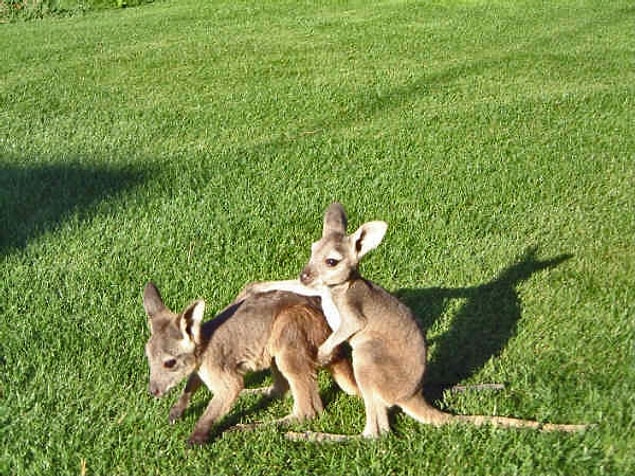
[
  {"x": 388, "y": 345},
  {"x": 279, "y": 330}
]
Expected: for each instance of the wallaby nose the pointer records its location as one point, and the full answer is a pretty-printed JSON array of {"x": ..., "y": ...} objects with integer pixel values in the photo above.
[
  {"x": 305, "y": 276},
  {"x": 154, "y": 390}
]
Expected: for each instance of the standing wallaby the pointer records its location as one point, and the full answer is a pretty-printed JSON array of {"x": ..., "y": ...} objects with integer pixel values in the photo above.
[
  {"x": 388, "y": 346},
  {"x": 278, "y": 330}
]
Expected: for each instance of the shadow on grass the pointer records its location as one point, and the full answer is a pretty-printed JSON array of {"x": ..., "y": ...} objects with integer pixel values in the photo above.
[
  {"x": 34, "y": 200},
  {"x": 482, "y": 326}
]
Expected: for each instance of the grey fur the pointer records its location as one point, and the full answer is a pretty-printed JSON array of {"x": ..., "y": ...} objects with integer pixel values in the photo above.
[{"x": 277, "y": 330}]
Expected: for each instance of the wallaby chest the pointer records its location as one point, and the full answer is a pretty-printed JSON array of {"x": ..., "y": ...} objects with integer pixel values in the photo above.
[{"x": 330, "y": 310}]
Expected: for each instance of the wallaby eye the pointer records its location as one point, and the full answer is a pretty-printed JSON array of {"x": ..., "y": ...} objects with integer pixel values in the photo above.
[
  {"x": 169, "y": 364},
  {"x": 331, "y": 262}
]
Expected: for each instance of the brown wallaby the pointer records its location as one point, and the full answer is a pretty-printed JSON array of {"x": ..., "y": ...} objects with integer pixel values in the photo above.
[
  {"x": 279, "y": 330},
  {"x": 388, "y": 345}
]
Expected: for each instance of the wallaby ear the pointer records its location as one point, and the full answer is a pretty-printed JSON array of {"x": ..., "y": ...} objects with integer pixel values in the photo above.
[
  {"x": 367, "y": 237},
  {"x": 190, "y": 321},
  {"x": 334, "y": 219},
  {"x": 152, "y": 302}
]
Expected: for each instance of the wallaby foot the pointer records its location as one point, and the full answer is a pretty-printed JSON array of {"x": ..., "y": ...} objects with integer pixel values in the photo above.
[
  {"x": 247, "y": 426},
  {"x": 198, "y": 438},
  {"x": 477, "y": 387},
  {"x": 377, "y": 422},
  {"x": 193, "y": 384},
  {"x": 278, "y": 389},
  {"x": 176, "y": 412},
  {"x": 264, "y": 391},
  {"x": 284, "y": 421},
  {"x": 290, "y": 419}
]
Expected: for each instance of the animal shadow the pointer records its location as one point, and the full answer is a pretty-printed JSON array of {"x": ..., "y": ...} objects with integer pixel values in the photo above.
[{"x": 481, "y": 327}]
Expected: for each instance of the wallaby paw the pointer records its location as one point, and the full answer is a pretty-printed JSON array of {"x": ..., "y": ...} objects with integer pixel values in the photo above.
[
  {"x": 175, "y": 414},
  {"x": 269, "y": 391},
  {"x": 245, "y": 426},
  {"x": 324, "y": 357},
  {"x": 249, "y": 290},
  {"x": 198, "y": 439}
]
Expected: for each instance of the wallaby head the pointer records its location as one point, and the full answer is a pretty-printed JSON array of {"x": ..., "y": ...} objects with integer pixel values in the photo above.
[
  {"x": 335, "y": 257},
  {"x": 174, "y": 338}
]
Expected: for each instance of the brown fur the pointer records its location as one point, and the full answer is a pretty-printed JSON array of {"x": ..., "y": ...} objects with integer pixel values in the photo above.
[
  {"x": 389, "y": 348},
  {"x": 279, "y": 330}
]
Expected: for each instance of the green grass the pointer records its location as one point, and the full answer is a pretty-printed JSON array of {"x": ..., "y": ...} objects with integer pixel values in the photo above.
[
  {"x": 197, "y": 145},
  {"x": 28, "y": 10}
]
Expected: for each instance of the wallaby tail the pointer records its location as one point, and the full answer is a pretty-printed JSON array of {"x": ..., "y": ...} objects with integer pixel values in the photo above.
[
  {"x": 418, "y": 408},
  {"x": 507, "y": 422}
]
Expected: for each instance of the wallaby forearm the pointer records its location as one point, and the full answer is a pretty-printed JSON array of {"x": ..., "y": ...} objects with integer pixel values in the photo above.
[{"x": 292, "y": 286}]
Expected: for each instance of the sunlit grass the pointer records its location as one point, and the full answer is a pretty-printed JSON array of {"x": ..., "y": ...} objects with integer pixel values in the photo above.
[{"x": 197, "y": 145}]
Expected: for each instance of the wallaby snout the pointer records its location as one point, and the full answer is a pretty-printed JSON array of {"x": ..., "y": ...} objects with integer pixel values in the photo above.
[
  {"x": 171, "y": 349},
  {"x": 307, "y": 276},
  {"x": 154, "y": 390},
  {"x": 162, "y": 380}
]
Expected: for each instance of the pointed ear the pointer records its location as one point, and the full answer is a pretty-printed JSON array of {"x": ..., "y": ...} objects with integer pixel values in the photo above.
[
  {"x": 152, "y": 302},
  {"x": 190, "y": 321},
  {"x": 367, "y": 237},
  {"x": 334, "y": 219}
]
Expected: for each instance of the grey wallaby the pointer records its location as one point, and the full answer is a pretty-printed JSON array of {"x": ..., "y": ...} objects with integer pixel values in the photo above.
[
  {"x": 388, "y": 345},
  {"x": 278, "y": 330}
]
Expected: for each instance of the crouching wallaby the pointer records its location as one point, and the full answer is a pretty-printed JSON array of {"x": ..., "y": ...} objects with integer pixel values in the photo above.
[
  {"x": 278, "y": 330},
  {"x": 388, "y": 346}
]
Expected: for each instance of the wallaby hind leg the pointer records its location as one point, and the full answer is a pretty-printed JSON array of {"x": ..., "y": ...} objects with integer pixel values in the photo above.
[
  {"x": 193, "y": 384},
  {"x": 300, "y": 372},
  {"x": 294, "y": 350},
  {"x": 418, "y": 408},
  {"x": 342, "y": 372}
]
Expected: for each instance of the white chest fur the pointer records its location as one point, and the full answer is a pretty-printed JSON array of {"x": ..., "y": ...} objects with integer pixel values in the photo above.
[
  {"x": 330, "y": 311},
  {"x": 206, "y": 377}
]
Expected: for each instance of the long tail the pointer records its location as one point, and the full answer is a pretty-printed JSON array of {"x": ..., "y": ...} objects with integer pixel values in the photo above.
[
  {"x": 418, "y": 408},
  {"x": 319, "y": 437},
  {"x": 519, "y": 423}
]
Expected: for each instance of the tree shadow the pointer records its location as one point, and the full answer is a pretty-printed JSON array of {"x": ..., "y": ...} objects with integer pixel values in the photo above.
[
  {"x": 34, "y": 200},
  {"x": 482, "y": 326}
]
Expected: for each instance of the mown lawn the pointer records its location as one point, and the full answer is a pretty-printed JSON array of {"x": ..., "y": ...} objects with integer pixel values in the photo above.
[{"x": 197, "y": 144}]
